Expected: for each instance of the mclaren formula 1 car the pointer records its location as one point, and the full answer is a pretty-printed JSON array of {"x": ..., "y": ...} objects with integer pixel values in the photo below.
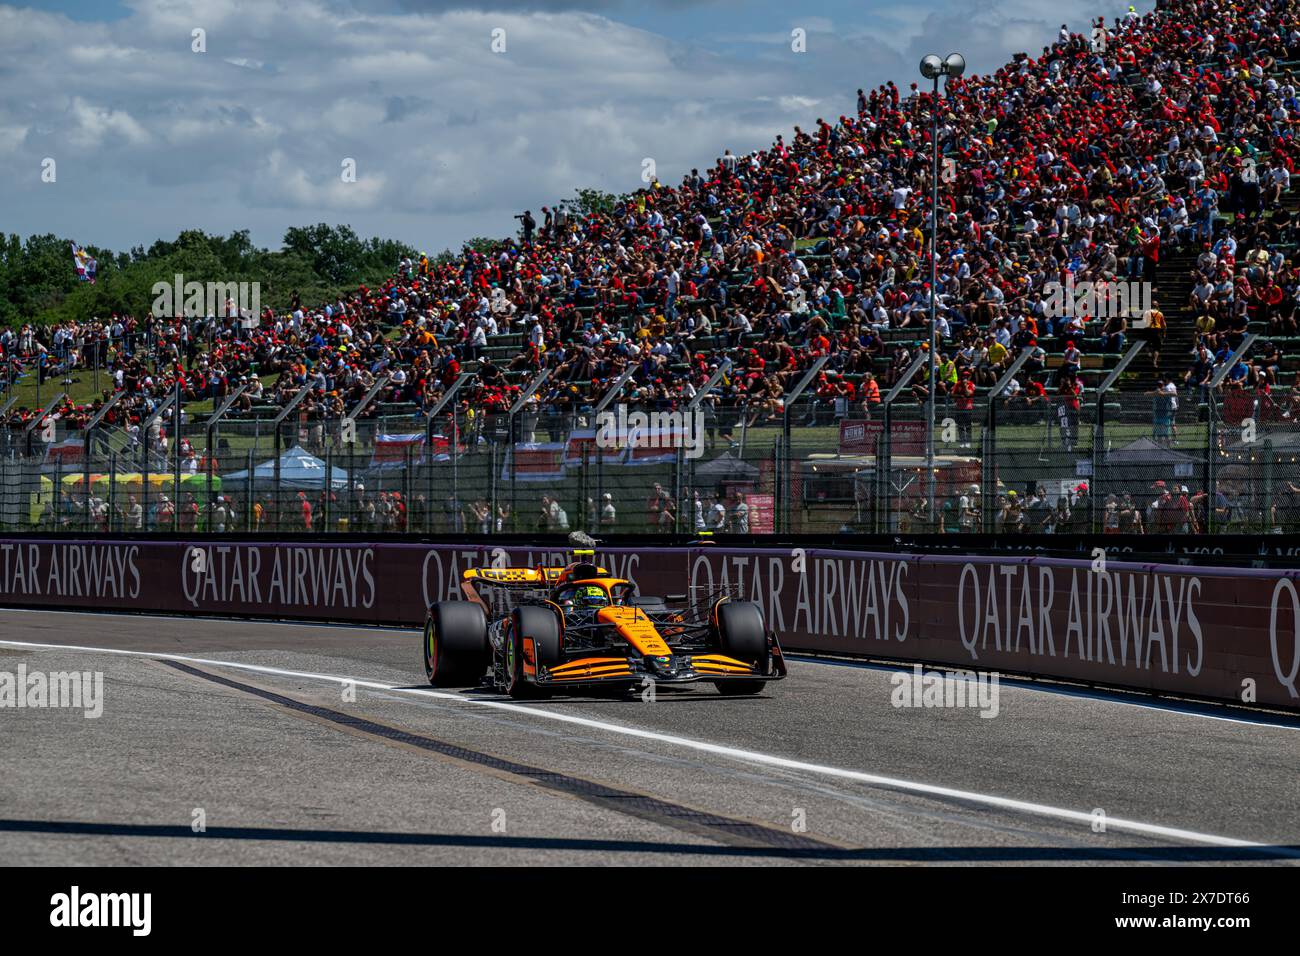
[{"x": 533, "y": 631}]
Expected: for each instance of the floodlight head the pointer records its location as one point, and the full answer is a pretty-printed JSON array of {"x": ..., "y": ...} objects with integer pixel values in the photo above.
[
  {"x": 955, "y": 65},
  {"x": 931, "y": 66}
]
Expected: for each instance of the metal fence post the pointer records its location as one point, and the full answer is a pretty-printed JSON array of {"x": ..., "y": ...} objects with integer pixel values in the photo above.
[
  {"x": 354, "y": 504},
  {"x": 58, "y": 491},
  {"x": 787, "y": 403},
  {"x": 515, "y": 409},
  {"x": 1266, "y": 509},
  {"x": 275, "y": 481},
  {"x": 326, "y": 510},
  {"x": 176, "y": 453},
  {"x": 1099, "y": 435},
  {"x": 1212, "y": 464},
  {"x": 989, "y": 474},
  {"x": 408, "y": 482},
  {"x": 278, "y": 425},
  {"x": 250, "y": 495},
  {"x": 887, "y": 406},
  {"x": 85, "y": 460},
  {"x": 112, "y": 523},
  {"x": 589, "y": 521},
  {"x": 1212, "y": 461},
  {"x": 429, "y": 494},
  {"x": 884, "y": 501},
  {"x": 780, "y": 520}
]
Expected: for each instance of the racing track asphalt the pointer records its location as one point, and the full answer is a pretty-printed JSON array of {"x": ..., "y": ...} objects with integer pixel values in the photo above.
[{"x": 286, "y": 769}]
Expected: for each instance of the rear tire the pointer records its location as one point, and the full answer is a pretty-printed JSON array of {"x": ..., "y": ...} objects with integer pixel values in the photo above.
[
  {"x": 543, "y": 626},
  {"x": 456, "y": 652},
  {"x": 742, "y": 635}
]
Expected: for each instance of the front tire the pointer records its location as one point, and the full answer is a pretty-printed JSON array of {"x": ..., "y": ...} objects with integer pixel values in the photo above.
[
  {"x": 456, "y": 652},
  {"x": 743, "y": 635}
]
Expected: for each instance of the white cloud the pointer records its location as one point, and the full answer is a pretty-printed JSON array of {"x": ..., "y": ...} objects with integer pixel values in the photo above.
[
  {"x": 91, "y": 126},
  {"x": 450, "y": 138},
  {"x": 445, "y": 132}
]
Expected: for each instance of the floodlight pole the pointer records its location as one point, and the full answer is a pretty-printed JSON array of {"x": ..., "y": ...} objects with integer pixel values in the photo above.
[
  {"x": 1099, "y": 433},
  {"x": 932, "y": 68},
  {"x": 932, "y": 402}
]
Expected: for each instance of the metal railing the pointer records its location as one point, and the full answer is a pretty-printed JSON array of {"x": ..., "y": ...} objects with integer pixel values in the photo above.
[{"x": 821, "y": 463}]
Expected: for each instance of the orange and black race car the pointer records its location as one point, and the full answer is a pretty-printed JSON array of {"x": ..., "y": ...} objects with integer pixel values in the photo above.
[{"x": 533, "y": 631}]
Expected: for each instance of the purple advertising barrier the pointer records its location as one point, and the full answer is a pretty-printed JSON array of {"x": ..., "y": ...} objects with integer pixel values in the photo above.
[
  {"x": 1223, "y": 633},
  {"x": 1220, "y": 633},
  {"x": 378, "y": 583}
]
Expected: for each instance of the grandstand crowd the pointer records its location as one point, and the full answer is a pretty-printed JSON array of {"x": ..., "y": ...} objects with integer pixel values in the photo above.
[{"x": 1123, "y": 145}]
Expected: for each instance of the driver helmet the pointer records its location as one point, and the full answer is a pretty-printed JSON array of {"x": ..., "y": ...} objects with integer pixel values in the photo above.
[{"x": 591, "y": 596}]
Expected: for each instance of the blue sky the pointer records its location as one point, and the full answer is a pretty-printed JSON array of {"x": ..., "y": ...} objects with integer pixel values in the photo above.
[{"x": 449, "y": 137}]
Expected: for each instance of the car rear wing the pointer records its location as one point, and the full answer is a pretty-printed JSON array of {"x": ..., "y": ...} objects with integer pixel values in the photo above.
[
  {"x": 519, "y": 577},
  {"x": 512, "y": 577}
]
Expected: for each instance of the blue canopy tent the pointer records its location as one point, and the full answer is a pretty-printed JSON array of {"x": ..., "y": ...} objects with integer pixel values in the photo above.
[{"x": 299, "y": 471}]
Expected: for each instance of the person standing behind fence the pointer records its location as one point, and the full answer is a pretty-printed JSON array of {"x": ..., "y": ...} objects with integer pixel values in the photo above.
[
  {"x": 1068, "y": 393},
  {"x": 1182, "y": 520},
  {"x": 482, "y": 512},
  {"x": 189, "y": 517},
  {"x": 219, "y": 516},
  {"x": 654, "y": 507},
  {"x": 133, "y": 514},
  {"x": 1162, "y": 412},
  {"x": 715, "y": 514},
  {"x": 963, "y": 402},
  {"x": 400, "y": 514},
  {"x": 739, "y": 523}
]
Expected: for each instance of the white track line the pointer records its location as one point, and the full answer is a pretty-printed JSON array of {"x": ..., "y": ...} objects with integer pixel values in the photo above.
[
  {"x": 910, "y": 786},
  {"x": 1195, "y": 709}
]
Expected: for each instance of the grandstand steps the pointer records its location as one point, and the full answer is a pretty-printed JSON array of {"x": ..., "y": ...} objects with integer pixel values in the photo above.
[{"x": 1173, "y": 287}]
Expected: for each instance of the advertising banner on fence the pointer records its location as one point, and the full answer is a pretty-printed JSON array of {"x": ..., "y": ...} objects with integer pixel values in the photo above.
[
  {"x": 861, "y": 437},
  {"x": 1224, "y": 633}
]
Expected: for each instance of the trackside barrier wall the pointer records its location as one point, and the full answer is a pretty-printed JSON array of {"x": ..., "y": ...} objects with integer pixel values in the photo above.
[{"x": 1230, "y": 634}]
